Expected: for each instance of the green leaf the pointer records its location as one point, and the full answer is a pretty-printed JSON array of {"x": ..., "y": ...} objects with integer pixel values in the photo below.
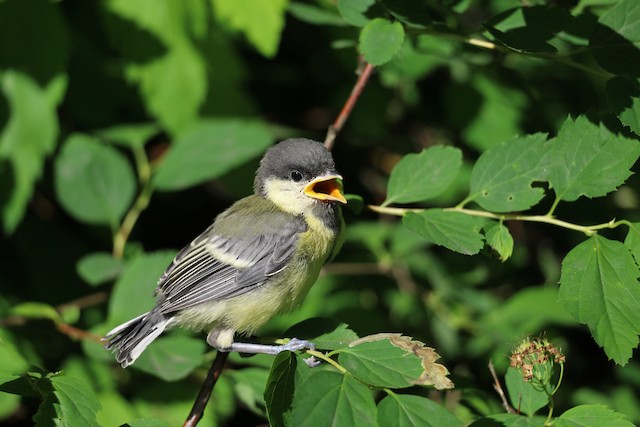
[
  {"x": 529, "y": 29},
  {"x": 406, "y": 410},
  {"x": 36, "y": 310},
  {"x": 623, "y": 96},
  {"x": 327, "y": 398},
  {"x": 499, "y": 238},
  {"x": 67, "y": 402},
  {"x": 414, "y": 13},
  {"x": 615, "y": 41},
  {"x": 326, "y": 334},
  {"x": 509, "y": 420},
  {"x": 315, "y": 15},
  {"x": 210, "y": 149},
  {"x": 359, "y": 12},
  {"x": 249, "y": 385},
  {"x": 592, "y": 416},
  {"x": 260, "y": 21},
  {"x": 172, "y": 357},
  {"x": 395, "y": 361},
  {"x": 588, "y": 160},
  {"x": 380, "y": 40},
  {"x": 148, "y": 422},
  {"x": 94, "y": 182},
  {"x": 23, "y": 144},
  {"x": 501, "y": 178},
  {"x": 418, "y": 177},
  {"x": 287, "y": 371},
  {"x": 133, "y": 292},
  {"x": 522, "y": 394},
  {"x": 453, "y": 230},
  {"x": 12, "y": 364},
  {"x": 599, "y": 287},
  {"x": 129, "y": 135},
  {"x": 99, "y": 267},
  {"x": 632, "y": 241}
]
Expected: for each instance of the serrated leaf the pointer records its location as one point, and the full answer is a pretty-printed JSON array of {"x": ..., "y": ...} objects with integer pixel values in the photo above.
[
  {"x": 592, "y": 416},
  {"x": 453, "y": 230},
  {"x": 94, "y": 182},
  {"x": 406, "y": 410},
  {"x": 615, "y": 41},
  {"x": 287, "y": 371},
  {"x": 327, "y": 398},
  {"x": 67, "y": 402},
  {"x": 326, "y": 334},
  {"x": 359, "y": 12},
  {"x": 395, "y": 361},
  {"x": 380, "y": 40},
  {"x": 588, "y": 160},
  {"x": 623, "y": 95},
  {"x": 522, "y": 394},
  {"x": 99, "y": 267},
  {"x": 260, "y": 21},
  {"x": 23, "y": 145},
  {"x": 499, "y": 238},
  {"x": 632, "y": 241},
  {"x": 599, "y": 287},
  {"x": 418, "y": 177},
  {"x": 171, "y": 358},
  {"x": 209, "y": 149},
  {"x": 501, "y": 178},
  {"x": 133, "y": 292}
]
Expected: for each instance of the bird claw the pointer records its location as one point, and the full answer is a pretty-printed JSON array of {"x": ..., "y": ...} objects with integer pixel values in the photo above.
[
  {"x": 295, "y": 344},
  {"x": 312, "y": 362}
]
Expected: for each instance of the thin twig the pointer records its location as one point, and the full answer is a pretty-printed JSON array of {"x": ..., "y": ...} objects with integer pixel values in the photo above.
[
  {"x": 498, "y": 388},
  {"x": 336, "y": 127},
  {"x": 207, "y": 388}
]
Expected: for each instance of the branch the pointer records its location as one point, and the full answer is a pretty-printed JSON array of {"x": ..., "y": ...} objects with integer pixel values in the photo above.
[
  {"x": 337, "y": 125},
  {"x": 207, "y": 388},
  {"x": 498, "y": 388}
]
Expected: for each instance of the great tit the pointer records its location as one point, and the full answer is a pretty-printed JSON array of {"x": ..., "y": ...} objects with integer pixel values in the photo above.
[{"x": 258, "y": 258}]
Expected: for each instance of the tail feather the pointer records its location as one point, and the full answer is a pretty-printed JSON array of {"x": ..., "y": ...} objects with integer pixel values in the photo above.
[{"x": 130, "y": 339}]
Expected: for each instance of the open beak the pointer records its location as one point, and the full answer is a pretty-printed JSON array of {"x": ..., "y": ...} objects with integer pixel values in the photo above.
[{"x": 326, "y": 188}]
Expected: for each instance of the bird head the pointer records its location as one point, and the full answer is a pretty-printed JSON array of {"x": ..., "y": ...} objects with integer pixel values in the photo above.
[{"x": 297, "y": 174}]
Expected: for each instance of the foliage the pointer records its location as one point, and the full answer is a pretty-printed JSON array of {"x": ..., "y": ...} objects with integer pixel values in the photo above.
[{"x": 490, "y": 133}]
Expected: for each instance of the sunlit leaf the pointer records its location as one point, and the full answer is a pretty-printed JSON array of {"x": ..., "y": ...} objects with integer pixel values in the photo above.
[
  {"x": 599, "y": 287},
  {"x": 287, "y": 371},
  {"x": 632, "y": 241},
  {"x": 406, "y": 410},
  {"x": 67, "y": 402},
  {"x": 499, "y": 238},
  {"x": 315, "y": 15},
  {"x": 591, "y": 415},
  {"x": 418, "y": 177},
  {"x": 12, "y": 364}
]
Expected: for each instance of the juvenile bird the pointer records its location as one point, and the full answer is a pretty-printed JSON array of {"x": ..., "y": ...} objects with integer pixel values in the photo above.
[{"x": 258, "y": 258}]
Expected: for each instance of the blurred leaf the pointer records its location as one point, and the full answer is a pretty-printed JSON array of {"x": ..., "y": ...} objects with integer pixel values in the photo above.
[
  {"x": 12, "y": 364},
  {"x": 99, "y": 267},
  {"x": 94, "y": 182},
  {"x": 327, "y": 398},
  {"x": 394, "y": 361},
  {"x": 501, "y": 178},
  {"x": 250, "y": 387},
  {"x": 522, "y": 394},
  {"x": 326, "y": 334},
  {"x": 632, "y": 241},
  {"x": 67, "y": 402},
  {"x": 509, "y": 420},
  {"x": 414, "y": 13},
  {"x": 623, "y": 95},
  {"x": 380, "y": 40},
  {"x": 453, "y": 230},
  {"x": 529, "y": 29},
  {"x": 359, "y": 12},
  {"x": 9, "y": 404},
  {"x": 589, "y": 160},
  {"x": 36, "y": 310},
  {"x": 599, "y": 287},
  {"x": 148, "y": 422},
  {"x": 260, "y": 21},
  {"x": 591, "y": 415},
  {"x": 315, "y": 15},
  {"x": 355, "y": 203},
  {"x": 405, "y": 410},
  {"x": 209, "y": 149},
  {"x": 499, "y": 238},
  {"x": 287, "y": 372},
  {"x": 133, "y": 293},
  {"x": 615, "y": 41},
  {"x": 27, "y": 138},
  {"x": 418, "y": 177},
  {"x": 172, "y": 357},
  {"x": 129, "y": 135}
]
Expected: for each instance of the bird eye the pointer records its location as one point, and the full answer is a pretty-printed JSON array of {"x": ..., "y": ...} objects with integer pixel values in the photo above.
[{"x": 296, "y": 176}]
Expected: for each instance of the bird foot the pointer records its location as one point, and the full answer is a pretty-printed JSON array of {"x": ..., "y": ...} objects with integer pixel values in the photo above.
[{"x": 293, "y": 345}]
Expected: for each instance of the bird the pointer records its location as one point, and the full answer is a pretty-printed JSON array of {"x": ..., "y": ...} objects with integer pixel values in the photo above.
[{"x": 259, "y": 258}]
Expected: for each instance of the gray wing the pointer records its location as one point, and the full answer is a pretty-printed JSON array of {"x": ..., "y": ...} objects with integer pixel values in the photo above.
[{"x": 214, "y": 267}]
